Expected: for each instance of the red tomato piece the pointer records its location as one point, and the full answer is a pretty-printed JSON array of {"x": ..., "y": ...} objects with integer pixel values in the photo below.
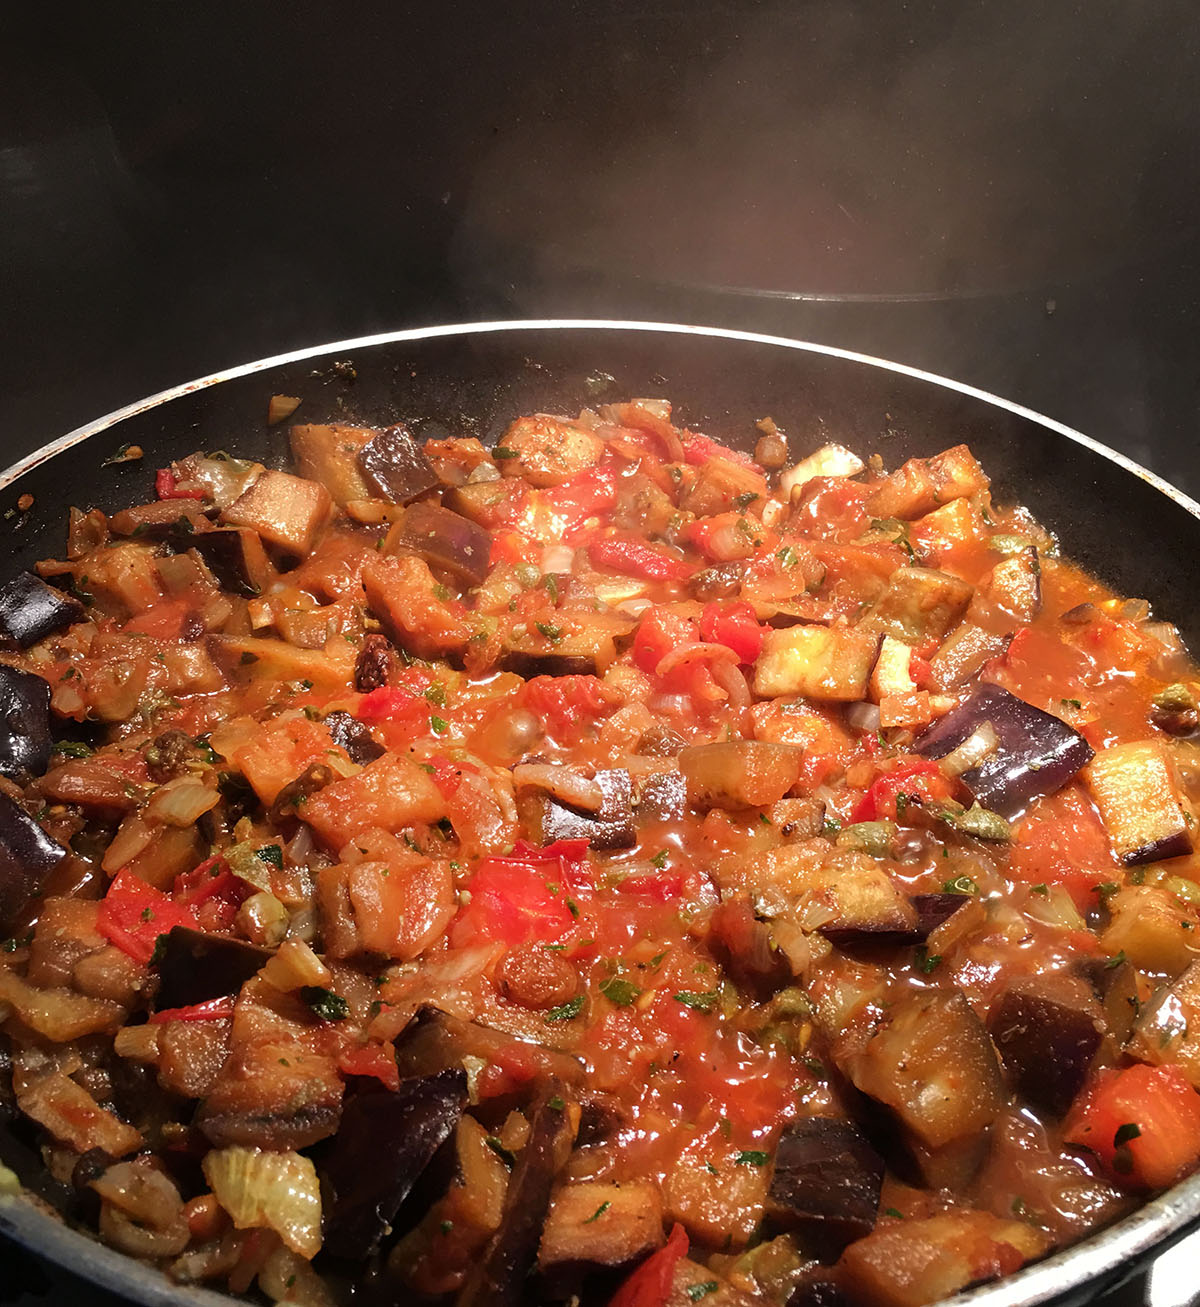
[
  {"x": 1143, "y": 1123},
  {"x": 588, "y": 495},
  {"x": 165, "y": 486},
  {"x": 650, "y": 1284},
  {"x": 832, "y": 508},
  {"x": 699, "y": 449},
  {"x": 214, "y": 1009},
  {"x": 376, "y": 1060},
  {"x": 563, "y": 702},
  {"x": 393, "y": 703},
  {"x": 212, "y": 892},
  {"x": 446, "y": 776},
  {"x": 924, "y": 781},
  {"x": 632, "y": 556},
  {"x": 660, "y": 631},
  {"x": 527, "y": 896},
  {"x": 134, "y": 914},
  {"x": 1062, "y": 841},
  {"x": 732, "y": 623}
]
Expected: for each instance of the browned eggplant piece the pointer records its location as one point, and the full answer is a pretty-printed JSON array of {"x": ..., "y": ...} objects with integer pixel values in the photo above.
[
  {"x": 499, "y": 1278},
  {"x": 826, "y": 1182},
  {"x": 1036, "y": 753},
  {"x": 355, "y": 737},
  {"x": 963, "y": 653},
  {"x": 395, "y": 466},
  {"x": 234, "y": 555},
  {"x": 723, "y": 581},
  {"x": 27, "y": 857},
  {"x": 30, "y": 609},
  {"x": 445, "y": 540},
  {"x": 558, "y": 663},
  {"x": 384, "y": 1142},
  {"x": 739, "y": 773},
  {"x": 661, "y": 797},
  {"x": 746, "y": 951},
  {"x": 159, "y": 520},
  {"x": 195, "y": 967},
  {"x": 932, "y": 910},
  {"x": 815, "y": 1290},
  {"x": 1011, "y": 595},
  {"x": 24, "y": 723},
  {"x": 433, "y": 1040},
  {"x": 1047, "y": 1030},
  {"x": 595, "y": 1228},
  {"x": 548, "y": 819},
  {"x": 931, "y": 1063},
  {"x": 1136, "y": 790}
]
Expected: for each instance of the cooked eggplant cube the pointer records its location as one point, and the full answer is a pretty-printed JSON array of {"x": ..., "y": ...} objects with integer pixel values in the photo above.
[
  {"x": 355, "y": 737},
  {"x": 739, "y": 773},
  {"x": 234, "y": 555},
  {"x": 593, "y": 1225},
  {"x": 661, "y": 797},
  {"x": 826, "y": 1182},
  {"x": 963, "y": 654},
  {"x": 919, "y": 604},
  {"x": 1167, "y": 1031},
  {"x": 931, "y": 1062},
  {"x": 832, "y": 663},
  {"x": 585, "y": 648},
  {"x": 30, "y": 609},
  {"x": 1047, "y": 1030},
  {"x": 891, "y": 674},
  {"x": 1135, "y": 789},
  {"x": 27, "y": 857},
  {"x": 329, "y": 454},
  {"x": 446, "y": 540},
  {"x": 395, "y": 466},
  {"x": 195, "y": 967},
  {"x": 1011, "y": 595},
  {"x": 548, "y": 819},
  {"x": 932, "y": 910},
  {"x": 923, "y": 484},
  {"x": 286, "y": 511},
  {"x": 1036, "y": 753},
  {"x": 383, "y": 1144},
  {"x": 498, "y": 1277},
  {"x": 24, "y": 723}
]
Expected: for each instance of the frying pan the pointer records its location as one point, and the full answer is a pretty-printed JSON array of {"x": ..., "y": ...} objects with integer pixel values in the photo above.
[{"x": 1117, "y": 519}]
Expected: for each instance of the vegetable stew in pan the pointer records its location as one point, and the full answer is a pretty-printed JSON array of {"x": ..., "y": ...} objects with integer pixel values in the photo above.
[{"x": 604, "y": 867}]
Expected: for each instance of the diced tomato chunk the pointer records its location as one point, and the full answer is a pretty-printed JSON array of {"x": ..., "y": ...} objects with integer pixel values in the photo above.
[
  {"x": 1062, "y": 841},
  {"x": 375, "y": 1060},
  {"x": 660, "y": 631},
  {"x": 212, "y": 892},
  {"x": 922, "y": 782},
  {"x": 134, "y": 914},
  {"x": 586, "y": 495},
  {"x": 733, "y": 624},
  {"x": 1143, "y": 1123},
  {"x": 530, "y": 895},
  {"x": 564, "y": 702},
  {"x": 166, "y": 487}
]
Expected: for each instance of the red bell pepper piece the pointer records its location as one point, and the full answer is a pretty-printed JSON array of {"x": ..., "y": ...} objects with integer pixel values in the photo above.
[
  {"x": 660, "y": 631},
  {"x": 1143, "y": 1123},
  {"x": 166, "y": 487},
  {"x": 211, "y": 1010},
  {"x": 732, "y": 623},
  {"x": 134, "y": 914},
  {"x": 650, "y": 1284},
  {"x": 923, "y": 781},
  {"x": 212, "y": 892},
  {"x": 393, "y": 703},
  {"x": 377, "y": 1060},
  {"x": 633, "y": 557}
]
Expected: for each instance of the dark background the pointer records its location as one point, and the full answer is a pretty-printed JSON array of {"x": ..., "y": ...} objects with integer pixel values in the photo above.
[{"x": 1001, "y": 192}]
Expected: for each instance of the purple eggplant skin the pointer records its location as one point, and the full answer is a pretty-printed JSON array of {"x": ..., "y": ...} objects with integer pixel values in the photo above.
[
  {"x": 663, "y": 797},
  {"x": 932, "y": 910},
  {"x": 1036, "y": 753},
  {"x": 355, "y": 737},
  {"x": 826, "y": 1183},
  {"x": 499, "y": 1278},
  {"x": 30, "y": 610},
  {"x": 384, "y": 1142},
  {"x": 194, "y": 967},
  {"x": 224, "y": 554},
  {"x": 1175, "y": 845},
  {"x": 395, "y": 466},
  {"x": 25, "y": 740},
  {"x": 610, "y": 828},
  {"x": 27, "y": 857},
  {"x": 447, "y": 541},
  {"x": 530, "y": 665},
  {"x": 1047, "y": 1030},
  {"x": 814, "y": 1290}
]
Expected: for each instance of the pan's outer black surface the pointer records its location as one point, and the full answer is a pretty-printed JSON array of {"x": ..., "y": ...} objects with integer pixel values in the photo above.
[{"x": 1132, "y": 530}]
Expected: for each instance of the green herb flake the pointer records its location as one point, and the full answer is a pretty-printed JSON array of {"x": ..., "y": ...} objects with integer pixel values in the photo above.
[
  {"x": 701, "y": 1290},
  {"x": 744, "y": 500},
  {"x": 1106, "y": 890},
  {"x": 503, "y": 453},
  {"x": 1111, "y": 964},
  {"x": 72, "y": 748},
  {"x": 325, "y": 1003},
  {"x": 441, "y": 592},
  {"x": 598, "y": 1213},
  {"x": 550, "y": 631},
  {"x": 550, "y": 582},
  {"x": 894, "y": 1212},
  {"x": 1043, "y": 888},
  {"x": 961, "y": 885},
  {"x": 787, "y": 556},
  {"x": 439, "y": 725},
  {"x": 271, "y": 854},
  {"x": 556, "y": 1103},
  {"x": 660, "y": 858},
  {"x": 493, "y": 1142},
  {"x": 751, "y": 1157},
  {"x": 147, "y": 914},
  {"x": 436, "y": 694},
  {"x": 566, "y": 1011},
  {"x": 1071, "y": 703},
  {"x": 446, "y": 1226},
  {"x": 703, "y": 1002},
  {"x": 620, "y": 992},
  {"x": 927, "y": 962},
  {"x": 573, "y": 909}
]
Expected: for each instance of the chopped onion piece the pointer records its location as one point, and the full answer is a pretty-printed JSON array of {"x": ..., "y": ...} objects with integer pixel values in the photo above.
[
  {"x": 564, "y": 784},
  {"x": 981, "y": 743},
  {"x": 863, "y": 717},
  {"x": 274, "y": 1191}
]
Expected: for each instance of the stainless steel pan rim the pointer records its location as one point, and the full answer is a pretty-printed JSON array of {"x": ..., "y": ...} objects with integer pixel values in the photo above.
[{"x": 1099, "y": 1259}]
